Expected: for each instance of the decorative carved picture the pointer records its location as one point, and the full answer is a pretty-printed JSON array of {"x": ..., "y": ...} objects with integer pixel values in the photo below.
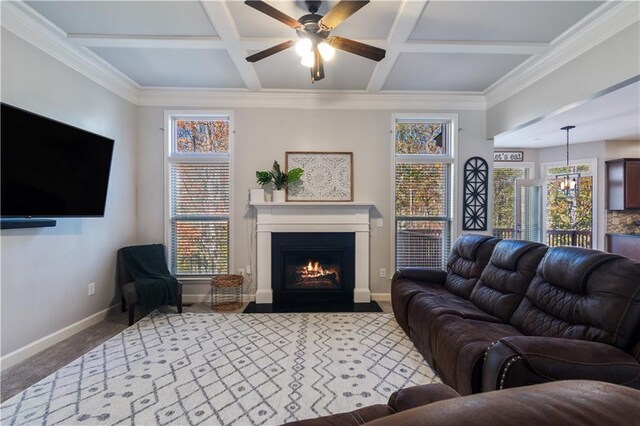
[
  {"x": 328, "y": 176},
  {"x": 476, "y": 177}
]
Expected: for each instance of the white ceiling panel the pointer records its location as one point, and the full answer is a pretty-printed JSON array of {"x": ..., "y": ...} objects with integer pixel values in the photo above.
[
  {"x": 373, "y": 21},
  {"x": 449, "y": 71},
  {"x": 174, "y": 67},
  {"x": 166, "y": 18},
  {"x": 518, "y": 21},
  {"x": 344, "y": 72}
]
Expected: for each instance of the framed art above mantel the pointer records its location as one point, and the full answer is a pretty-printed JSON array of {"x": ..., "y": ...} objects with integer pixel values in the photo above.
[{"x": 328, "y": 176}]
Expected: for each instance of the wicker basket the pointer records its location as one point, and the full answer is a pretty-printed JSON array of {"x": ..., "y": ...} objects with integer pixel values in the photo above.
[{"x": 226, "y": 292}]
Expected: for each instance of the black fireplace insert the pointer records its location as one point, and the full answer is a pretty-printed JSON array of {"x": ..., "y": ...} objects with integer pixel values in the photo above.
[{"x": 312, "y": 267}]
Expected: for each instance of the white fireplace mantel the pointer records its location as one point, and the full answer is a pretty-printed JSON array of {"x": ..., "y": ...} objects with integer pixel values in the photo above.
[{"x": 294, "y": 216}]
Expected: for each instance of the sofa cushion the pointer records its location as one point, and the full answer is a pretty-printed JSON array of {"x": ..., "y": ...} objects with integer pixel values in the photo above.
[
  {"x": 507, "y": 276},
  {"x": 424, "y": 308},
  {"x": 458, "y": 346},
  {"x": 469, "y": 256},
  {"x": 582, "y": 294}
]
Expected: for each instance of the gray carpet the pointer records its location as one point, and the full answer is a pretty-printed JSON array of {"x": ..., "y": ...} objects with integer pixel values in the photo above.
[{"x": 227, "y": 369}]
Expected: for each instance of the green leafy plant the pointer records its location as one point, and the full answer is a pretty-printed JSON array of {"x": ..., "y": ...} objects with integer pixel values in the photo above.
[{"x": 276, "y": 176}]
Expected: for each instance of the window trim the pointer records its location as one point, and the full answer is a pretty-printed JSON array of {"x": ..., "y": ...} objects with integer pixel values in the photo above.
[
  {"x": 169, "y": 116},
  {"x": 451, "y": 158}
]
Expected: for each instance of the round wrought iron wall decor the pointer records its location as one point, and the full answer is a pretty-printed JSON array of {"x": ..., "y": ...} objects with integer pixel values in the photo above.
[{"x": 476, "y": 178}]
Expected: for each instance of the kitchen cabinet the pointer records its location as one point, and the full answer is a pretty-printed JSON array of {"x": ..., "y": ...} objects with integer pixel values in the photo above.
[{"x": 623, "y": 184}]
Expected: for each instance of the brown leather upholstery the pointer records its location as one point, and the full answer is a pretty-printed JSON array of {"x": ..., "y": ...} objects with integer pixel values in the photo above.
[
  {"x": 535, "y": 314},
  {"x": 506, "y": 278},
  {"x": 469, "y": 256},
  {"x": 574, "y": 402}
]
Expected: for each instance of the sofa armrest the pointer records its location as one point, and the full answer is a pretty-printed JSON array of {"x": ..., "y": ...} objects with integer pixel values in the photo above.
[
  {"x": 416, "y": 396},
  {"x": 436, "y": 276},
  {"x": 522, "y": 360}
]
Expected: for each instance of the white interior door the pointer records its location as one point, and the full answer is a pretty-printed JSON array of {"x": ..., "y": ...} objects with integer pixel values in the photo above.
[{"x": 529, "y": 206}]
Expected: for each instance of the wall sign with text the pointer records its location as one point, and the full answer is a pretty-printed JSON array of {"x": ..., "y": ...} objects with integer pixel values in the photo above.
[{"x": 508, "y": 156}]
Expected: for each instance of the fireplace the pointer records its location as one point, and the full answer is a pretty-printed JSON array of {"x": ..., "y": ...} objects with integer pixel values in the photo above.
[{"x": 313, "y": 266}]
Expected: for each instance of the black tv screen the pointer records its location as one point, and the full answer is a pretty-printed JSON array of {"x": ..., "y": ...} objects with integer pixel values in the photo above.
[{"x": 51, "y": 169}]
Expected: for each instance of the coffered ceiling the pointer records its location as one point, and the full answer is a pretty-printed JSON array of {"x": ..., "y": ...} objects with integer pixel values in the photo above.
[
  {"x": 445, "y": 46},
  {"x": 439, "y": 54}
]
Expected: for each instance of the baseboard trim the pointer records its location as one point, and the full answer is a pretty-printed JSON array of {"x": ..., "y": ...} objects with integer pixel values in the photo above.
[
  {"x": 381, "y": 297},
  {"x": 43, "y": 343}
]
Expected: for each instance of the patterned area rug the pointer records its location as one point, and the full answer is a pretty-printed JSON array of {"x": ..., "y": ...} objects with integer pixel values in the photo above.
[{"x": 231, "y": 369}]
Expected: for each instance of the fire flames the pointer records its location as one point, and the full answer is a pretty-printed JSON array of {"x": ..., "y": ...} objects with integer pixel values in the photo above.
[{"x": 314, "y": 270}]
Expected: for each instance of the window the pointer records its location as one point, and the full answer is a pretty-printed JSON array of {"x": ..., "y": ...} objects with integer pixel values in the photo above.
[
  {"x": 423, "y": 181},
  {"x": 504, "y": 192},
  {"x": 198, "y": 194},
  {"x": 570, "y": 220}
]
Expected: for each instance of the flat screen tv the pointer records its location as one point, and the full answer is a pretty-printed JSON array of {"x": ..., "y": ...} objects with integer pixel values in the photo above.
[{"x": 50, "y": 169}]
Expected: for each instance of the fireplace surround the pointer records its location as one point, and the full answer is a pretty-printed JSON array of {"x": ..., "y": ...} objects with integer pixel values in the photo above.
[{"x": 312, "y": 217}]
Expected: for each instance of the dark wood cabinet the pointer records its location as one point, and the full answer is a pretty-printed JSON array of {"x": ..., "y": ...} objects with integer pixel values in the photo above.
[
  {"x": 623, "y": 184},
  {"x": 627, "y": 245}
]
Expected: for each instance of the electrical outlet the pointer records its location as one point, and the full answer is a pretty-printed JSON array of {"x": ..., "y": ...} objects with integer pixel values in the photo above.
[
  {"x": 91, "y": 289},
  {"x": 383, "y": 272},
  {"x": 241, "y": 271},
  {"x": 380, "y": 222},
  {"x": 248, "y": 269}
]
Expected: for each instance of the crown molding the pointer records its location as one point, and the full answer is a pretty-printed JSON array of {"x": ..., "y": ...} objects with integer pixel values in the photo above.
[
  {"x": 206, "y": 98},
  {"x": 604, "y": 22},
  {"x": 27, "y": 24}
]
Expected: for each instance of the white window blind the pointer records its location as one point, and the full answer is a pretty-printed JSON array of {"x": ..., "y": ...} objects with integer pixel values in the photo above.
[
  {"x": 422, "y": 193},
  {"x": 199, "y": 197}
]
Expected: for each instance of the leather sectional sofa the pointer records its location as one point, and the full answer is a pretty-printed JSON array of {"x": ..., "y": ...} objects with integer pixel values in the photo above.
[
  {"x": 513, "y": 313},
  {"x": 570, "y": 402}
]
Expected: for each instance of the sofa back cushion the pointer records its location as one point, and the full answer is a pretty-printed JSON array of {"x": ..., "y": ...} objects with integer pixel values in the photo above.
[
  {"x": 469, "y": 256},
  {"x": 582, "y": 294},
  {"x": 507, "y": 276}
]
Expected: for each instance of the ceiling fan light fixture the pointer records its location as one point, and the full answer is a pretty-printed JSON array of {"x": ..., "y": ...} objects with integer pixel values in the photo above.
[
  {"x": 308, "y": 59},
  {"x": 326, "y": 51},
  {"x": 303, "y": 46}
]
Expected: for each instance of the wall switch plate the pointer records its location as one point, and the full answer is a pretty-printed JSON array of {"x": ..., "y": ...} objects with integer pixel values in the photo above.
[
  {"x": 383, "y": 272},
  {"x": 248, "y": 269},
  {"x": 380, "y": 222},
  {"x": 241, "y": 271},
  {"x": 91, "y": 289}
]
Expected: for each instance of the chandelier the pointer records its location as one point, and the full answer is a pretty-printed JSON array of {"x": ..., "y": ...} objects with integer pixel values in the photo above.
[{"x": 568, "y": 183}]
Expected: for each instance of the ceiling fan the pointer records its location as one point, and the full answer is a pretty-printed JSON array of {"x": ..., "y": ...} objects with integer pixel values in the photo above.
[{"x": 315, "y": 45}]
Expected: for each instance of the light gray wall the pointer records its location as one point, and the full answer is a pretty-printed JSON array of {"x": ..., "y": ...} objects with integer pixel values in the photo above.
[
  {"x": 263, "y": 135},
  {"x": 45, "y": 271},
  {"x": 611, "y": 62}
]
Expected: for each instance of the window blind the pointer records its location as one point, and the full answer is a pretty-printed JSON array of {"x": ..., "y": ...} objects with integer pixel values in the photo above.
[{"x": 199, "y": 216}]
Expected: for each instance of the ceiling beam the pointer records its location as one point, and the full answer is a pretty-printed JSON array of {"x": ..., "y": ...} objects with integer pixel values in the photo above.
[
  {"x": 408, "y": 15},
  {"x": 220, "y": 16},
  {"x": 192, "y": 42}
]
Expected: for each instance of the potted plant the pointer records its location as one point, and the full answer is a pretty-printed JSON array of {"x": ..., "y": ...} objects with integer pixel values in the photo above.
[{"x": 279, "y": 179}]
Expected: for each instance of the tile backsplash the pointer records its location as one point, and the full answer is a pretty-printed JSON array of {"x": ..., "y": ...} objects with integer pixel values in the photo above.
[{"x": 622, "y": 221}]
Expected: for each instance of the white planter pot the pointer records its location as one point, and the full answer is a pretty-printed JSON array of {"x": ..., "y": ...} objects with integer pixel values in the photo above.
[
  {"x": 257, "y": 195},
  {"x": 278, "y": 196}
]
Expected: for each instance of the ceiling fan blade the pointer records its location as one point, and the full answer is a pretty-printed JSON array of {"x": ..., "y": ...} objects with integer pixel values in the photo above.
[
  {"x": 270, "y": 51},
  {"x": 274, "y": 13},
  {"x": 357, "y": 48},
  {"x": 340, "y": 12}
]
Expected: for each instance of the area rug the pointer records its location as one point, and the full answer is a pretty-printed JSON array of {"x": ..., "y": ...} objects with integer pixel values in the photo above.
[{"x": 228, "y": 369}]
